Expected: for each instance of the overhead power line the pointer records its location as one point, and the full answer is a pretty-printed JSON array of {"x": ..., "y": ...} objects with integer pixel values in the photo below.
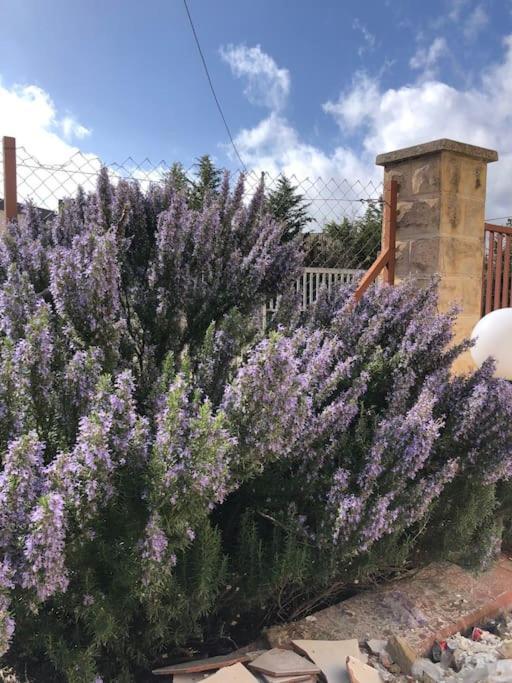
[{"x": 211, "y": 85}]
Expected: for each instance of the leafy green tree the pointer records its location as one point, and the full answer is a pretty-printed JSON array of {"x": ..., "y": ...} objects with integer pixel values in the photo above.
[{"x": 287, "y": 205}]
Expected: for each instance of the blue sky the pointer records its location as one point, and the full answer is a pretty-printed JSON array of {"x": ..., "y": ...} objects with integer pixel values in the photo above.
[{"x": 307, "y": 87}]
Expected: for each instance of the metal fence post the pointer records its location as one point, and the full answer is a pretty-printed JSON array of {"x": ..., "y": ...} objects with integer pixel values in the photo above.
[{"x": 10, "y": 191}]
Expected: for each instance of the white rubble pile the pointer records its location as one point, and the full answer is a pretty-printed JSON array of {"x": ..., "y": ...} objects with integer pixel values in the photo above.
[{"x": 473, "y": 654}]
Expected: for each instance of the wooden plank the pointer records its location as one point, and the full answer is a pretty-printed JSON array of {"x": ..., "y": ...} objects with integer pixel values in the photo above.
[
  {"x": 505, "y": 230},
  {"x": 209, "y": 664},
  {"x": 497, "y": 276},
  {"x": 489, "y": 272},
  {"x": 10, "y": 189},
  {"x": 506, "y": 272},
  {"x": 389, "y": 216},
  {"x": 371, "y": 274}
]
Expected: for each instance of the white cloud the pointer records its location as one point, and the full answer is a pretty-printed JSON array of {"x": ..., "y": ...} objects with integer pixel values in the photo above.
[
  {"x": 426, "y": 59},
  {"x": 456, "y": 8},
  {"x": 355, "y": 105},
  {"x": 267, "y": 84},
  {"x": 72, "y": 129},
  {"x": 368, "y": 37},
  {"x": 29, "y": 114},
  {"x": 475, "y": 22},
  {"x": 332, "y": 182},
  {"x": 387, "y": 119},
  {"x": 49, "y": 166},
  {"x": 429, "y": 110}
]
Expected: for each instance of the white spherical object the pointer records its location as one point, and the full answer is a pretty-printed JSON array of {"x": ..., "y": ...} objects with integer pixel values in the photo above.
[{"x": 493, "y": 337}]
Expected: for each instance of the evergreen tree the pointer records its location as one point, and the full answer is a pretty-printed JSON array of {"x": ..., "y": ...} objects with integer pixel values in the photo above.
[
  {"x": 177, "y": 178},
  {"x": 287, "y": 205},
  {"x": 207, "y": 182},
  {"x": 356, "y": 243}
]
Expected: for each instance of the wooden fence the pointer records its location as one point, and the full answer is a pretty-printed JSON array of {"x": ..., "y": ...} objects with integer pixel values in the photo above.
[
  {"x": 497, "y": 271},
  {"x": 311, "y": 282}
]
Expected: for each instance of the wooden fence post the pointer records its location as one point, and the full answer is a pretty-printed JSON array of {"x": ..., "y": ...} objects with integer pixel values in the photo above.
[
  {"x": 10, "y": 190},
  {"x": 385, "y": 261}
]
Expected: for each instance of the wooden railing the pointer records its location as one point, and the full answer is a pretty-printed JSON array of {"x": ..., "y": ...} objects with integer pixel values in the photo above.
[
  {"x": 310, "y": 283},
  {"x": 497, "y": 272},
  {"x": 385, "y": 261}
]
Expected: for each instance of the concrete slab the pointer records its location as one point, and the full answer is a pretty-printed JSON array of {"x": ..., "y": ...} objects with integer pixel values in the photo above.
[
  {"x": 358, "y": 672},
  {"x": 278, "y": 662},
  {"x": 330, "y": 655},
  {"x": 436, "y": 602},
  {"x": 266, "y": 678},
  {"x": 232, "y": 674}
]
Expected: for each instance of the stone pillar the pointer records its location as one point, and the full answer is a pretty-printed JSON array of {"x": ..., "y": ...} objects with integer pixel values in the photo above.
[{"x": 440, "y": 224}]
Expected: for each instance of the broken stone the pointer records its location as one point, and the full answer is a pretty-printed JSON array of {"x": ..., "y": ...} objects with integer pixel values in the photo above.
[
  {"x": 459, "y": 657},
  {"x": 376, "y": 646},
  {"x": 437, "y": 650},
  {"x": 279, "y": 662},
  {"x": 330, "y": 656},
  {"x": 447, "y": 658},
  {"x": 505, "y": 649},
  {"x": 359, "y": 672},
  {"x": 232, "y": 674},
  {"x": 426, "y": 671},
  {"x": 267, "y": 678},
  {"x": 385, "y": 659},
  {"x": 494, "y": 672},
  {"x": 500, "y": 672},
  {"x": 497, "y": 626},
  {"x": 402, "y": 653}
]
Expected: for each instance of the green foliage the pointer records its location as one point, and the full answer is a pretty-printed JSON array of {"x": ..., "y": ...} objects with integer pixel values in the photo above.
[
  {"x": 351, "y": 244},
  {"x": 287, "y": 205},
  {"x": 207, "y": 182}
]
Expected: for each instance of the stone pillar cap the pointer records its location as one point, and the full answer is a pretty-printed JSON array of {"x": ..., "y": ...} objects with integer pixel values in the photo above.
[{"x": 441, "y": 145}]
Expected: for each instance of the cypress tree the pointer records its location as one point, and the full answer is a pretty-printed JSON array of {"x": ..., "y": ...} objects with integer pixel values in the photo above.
[{"x": 287, "y": 205}]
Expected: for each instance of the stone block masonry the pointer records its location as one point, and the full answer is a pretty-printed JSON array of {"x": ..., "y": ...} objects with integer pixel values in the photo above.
[{"x": 440, "y": 224}]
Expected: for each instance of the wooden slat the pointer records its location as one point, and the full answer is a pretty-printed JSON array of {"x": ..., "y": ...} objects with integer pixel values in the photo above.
[
  {"x": 371, "y": 274},
  {"x": 507, "y": 255},
  {"x": 489, "y": 272},
  {"x": 390, "y": 232},
  {"x": 10, "y": 190},
  {"x": 499, "y": 228},
  {"x": 497, "y": 275}
]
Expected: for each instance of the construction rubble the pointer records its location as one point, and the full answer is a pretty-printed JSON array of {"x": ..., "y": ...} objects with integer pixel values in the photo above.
[{"x": 480, "y": 654}]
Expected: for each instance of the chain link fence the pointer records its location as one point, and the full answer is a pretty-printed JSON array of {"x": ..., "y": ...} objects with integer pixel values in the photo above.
[{"x": 343, "y": 215}]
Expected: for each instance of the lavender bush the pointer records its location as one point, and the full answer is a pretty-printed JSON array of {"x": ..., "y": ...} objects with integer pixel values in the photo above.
[{"x": 163, "y": 461}]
